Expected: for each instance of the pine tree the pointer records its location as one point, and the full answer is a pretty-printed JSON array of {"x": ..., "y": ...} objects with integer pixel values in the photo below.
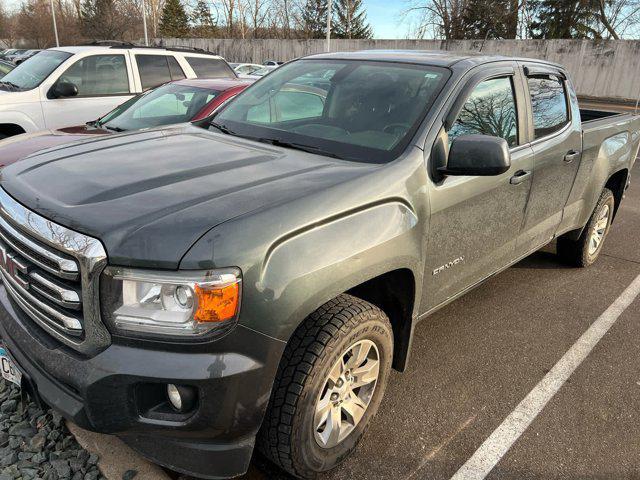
[
  {"x": 501, "y": 23},
  {"x": 174, "y": 21},
  {"x": 103, "y": 20},
  {"x": 202, "y": 20},
  {"x": 314, "y": 18},
  {"x": 563, "y": 19},
  {"x": 351, "y": 20}
]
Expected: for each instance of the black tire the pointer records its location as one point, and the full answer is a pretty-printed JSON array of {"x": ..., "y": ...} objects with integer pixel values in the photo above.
[
  {"x": 287, "y": 437},
  {"x": 576, "y": 252}
]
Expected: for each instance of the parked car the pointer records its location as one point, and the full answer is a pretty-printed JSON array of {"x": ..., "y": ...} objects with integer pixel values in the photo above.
[
  {"x": 5, "y": 67},
  {"x": 175, "y": 102},
  {"x": 72, "y": 85},
  {"x": 201, "y": 292},
  {"x": 245, "y": 68},
  {"x": 257, "y": 74},
  {"x": 18, "y": 59},
  {"x": 6, "y": 52},
  {"x": 272, "y": 63},
  {"x": 15, "y": 54}
]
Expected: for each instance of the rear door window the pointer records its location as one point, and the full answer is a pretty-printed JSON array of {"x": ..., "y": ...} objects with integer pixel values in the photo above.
[
  {"x": 158, "y": 69},
  {"x": 548, "y": 104},
  {"x": 210, "y": 67},
  {"x": 175, "y": 70}
]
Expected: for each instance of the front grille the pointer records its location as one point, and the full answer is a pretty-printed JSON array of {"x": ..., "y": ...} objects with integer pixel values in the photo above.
[{"x": 52, "y": 274}]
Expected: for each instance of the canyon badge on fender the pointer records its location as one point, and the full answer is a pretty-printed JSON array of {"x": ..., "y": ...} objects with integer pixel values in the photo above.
[{"x": 447, "y": 266}]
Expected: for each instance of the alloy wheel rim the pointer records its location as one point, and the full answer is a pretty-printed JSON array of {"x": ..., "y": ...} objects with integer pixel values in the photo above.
[
  {"x": 599, "y": 230},
  {"x": 346, "y": 393}
]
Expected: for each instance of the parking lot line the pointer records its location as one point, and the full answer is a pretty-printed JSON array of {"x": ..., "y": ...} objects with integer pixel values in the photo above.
[{"x": 500, "y": 441}]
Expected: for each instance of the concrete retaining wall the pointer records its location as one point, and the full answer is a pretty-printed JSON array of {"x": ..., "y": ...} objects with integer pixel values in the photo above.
[{"x": 606, "y": 69}]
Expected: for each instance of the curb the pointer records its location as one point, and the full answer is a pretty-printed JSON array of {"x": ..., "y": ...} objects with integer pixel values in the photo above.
[{"x": 116, "y": 458}]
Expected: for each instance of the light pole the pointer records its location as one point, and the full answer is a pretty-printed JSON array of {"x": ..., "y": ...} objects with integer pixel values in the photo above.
[
  {"x": 329, "y": 25},
  {"x": 55, "y": 27},
  {"x": 144, "y": 24}
]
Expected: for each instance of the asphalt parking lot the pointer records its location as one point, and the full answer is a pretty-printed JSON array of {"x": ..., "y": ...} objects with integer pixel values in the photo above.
[{"x": 475, "y": 360}]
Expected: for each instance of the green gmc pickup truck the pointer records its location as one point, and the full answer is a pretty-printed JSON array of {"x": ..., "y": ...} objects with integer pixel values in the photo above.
[{"x": 204, "y": 292}]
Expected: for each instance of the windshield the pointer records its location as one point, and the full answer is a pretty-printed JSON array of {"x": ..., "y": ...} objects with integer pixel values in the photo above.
[
  {"x": 355, "y": 110},
  {"x": 170, "y": 103},
  {"x": 29, "y": 75}
]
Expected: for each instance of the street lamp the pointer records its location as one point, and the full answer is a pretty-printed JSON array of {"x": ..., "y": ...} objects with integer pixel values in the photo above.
[
  {"x": 144, "y": 24},
  {"x": 329, "y": 25},
  {"x": 55, "y": 27}
]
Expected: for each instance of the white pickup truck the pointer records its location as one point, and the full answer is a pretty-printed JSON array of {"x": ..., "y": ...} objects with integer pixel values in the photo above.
[{"x": 72, "y": 85}]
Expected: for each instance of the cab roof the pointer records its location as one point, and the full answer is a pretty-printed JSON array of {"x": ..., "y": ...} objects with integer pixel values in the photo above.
[{"x": 437, "y": 58}]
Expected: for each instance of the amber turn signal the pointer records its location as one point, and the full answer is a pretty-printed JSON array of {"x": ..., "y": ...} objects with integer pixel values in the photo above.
[{"x": 217, "y": 304}]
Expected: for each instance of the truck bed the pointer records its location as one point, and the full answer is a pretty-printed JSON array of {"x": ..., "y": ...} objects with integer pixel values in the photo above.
[{"x": 590, "y": 115}]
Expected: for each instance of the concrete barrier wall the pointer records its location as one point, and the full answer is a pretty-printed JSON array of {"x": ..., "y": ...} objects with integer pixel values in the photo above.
[{"x": 607, "y": 69}]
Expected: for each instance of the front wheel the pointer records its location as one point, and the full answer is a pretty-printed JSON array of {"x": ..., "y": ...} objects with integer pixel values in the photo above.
[
  {"x": 328, "y": 387},
  {"x": 585, "y": 251}
]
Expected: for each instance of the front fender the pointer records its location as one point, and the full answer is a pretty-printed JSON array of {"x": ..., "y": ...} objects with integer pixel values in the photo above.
[
  {"x": 286, "y": 278},
  {"x": 306, "y": 269},
  {"x": 21, "y": 119}
]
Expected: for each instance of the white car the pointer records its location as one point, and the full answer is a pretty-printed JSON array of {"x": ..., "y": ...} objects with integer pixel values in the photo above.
[
  {"x": 73, "y": 85},
  {"x": 245, "y": 68},
  {"x": 261, "y": 72}
]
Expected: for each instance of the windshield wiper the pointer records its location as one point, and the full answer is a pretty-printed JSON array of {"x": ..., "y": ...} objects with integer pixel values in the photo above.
[
  {"x": 222, "y": 128},
  {"x": 113, "y": 129},
  {"x": 299, "y": 146},
  {"x": 10, "y": 84}
]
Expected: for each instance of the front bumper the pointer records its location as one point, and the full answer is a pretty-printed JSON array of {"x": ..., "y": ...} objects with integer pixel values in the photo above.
[{"x": 118, "y": 390}]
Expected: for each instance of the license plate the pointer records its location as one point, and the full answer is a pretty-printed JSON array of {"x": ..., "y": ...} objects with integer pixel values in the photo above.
[{"x": 9, "y": 370}]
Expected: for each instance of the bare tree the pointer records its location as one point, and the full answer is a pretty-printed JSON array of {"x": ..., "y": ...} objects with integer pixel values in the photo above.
[{"x": 618, "y": 18}]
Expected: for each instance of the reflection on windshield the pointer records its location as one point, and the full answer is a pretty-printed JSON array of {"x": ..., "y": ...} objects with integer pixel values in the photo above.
[
  {"x": 168, "y": 104},
  {"x": 29, "y": 75},
  {"x": 363, "y": 111}
]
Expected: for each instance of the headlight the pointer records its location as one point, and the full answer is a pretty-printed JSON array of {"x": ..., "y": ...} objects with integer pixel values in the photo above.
[{"x": 184, "y": 304}]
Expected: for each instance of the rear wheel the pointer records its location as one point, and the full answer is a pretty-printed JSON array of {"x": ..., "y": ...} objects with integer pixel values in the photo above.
[
  {"x": 585, "y": 251},
  {"x": 329, "y": 386}
]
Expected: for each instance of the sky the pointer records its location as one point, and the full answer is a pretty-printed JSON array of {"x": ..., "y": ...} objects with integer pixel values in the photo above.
[{"x": 385, "y": 17}]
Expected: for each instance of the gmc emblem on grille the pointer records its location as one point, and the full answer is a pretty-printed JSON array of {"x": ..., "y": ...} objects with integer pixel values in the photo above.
[{"x": 13, "y": 267}]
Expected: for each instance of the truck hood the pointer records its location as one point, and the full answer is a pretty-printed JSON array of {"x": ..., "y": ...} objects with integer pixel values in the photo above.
[
  {"x": 148, "y": 196},
  {"x": 18, "y": 147}
]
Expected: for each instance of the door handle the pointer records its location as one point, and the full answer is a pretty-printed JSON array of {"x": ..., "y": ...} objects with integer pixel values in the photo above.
[
  {"x": 571, "y": 156},
  {"x": 519, "y": 177}
]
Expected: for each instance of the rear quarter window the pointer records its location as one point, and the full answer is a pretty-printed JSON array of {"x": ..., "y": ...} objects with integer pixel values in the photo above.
[
  {"x": 548, "y": 105},
  {"x": 158, "y": 69},
  {"x": 210, "y": 67}
]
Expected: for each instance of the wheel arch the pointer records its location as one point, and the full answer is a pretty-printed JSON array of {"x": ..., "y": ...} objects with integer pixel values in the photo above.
[
  {"x": 10, "y": 129},
  {"x": 394, "y": 293},
  {"x": 617, "y": 183}
]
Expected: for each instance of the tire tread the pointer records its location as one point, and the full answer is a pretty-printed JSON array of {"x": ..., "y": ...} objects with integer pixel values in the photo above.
[{"x": 302, "y": 353}]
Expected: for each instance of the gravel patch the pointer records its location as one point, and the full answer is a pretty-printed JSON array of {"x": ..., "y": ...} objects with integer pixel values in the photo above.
[{"x": 36, "y": 445}]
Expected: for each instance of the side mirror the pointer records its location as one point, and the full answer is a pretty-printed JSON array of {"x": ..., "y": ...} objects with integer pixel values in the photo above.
[
  {"x": 64, "y": 89},
  {"x": 477, "y": 155}
]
